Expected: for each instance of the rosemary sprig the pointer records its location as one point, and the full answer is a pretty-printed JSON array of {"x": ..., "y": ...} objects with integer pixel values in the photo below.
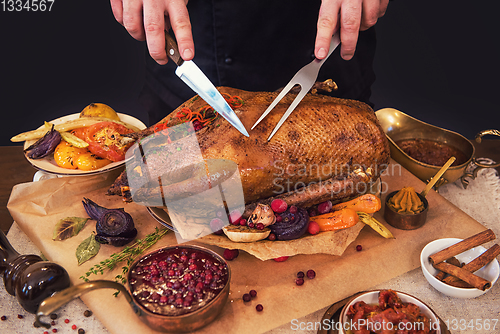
[{"x": 128, "y": 254}]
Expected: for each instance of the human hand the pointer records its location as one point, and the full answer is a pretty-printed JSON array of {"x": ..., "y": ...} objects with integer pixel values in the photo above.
[
  {"x": 352, "y": 16},
  {"x": 148, "y": 20}
]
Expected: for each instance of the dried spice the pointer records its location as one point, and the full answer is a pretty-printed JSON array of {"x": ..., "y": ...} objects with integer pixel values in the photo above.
[
  {"x": 87, "y": 249},
  {"x": 68, "y": 227},
  {"x": 406, "y": 201}
]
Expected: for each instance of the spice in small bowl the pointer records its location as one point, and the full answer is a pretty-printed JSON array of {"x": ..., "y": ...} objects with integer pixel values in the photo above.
[{"x": 406, "y": 209}]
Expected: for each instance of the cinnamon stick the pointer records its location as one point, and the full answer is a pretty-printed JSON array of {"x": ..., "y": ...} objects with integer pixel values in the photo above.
[
  {"x": 462, "y": 246},
  {"x": 464, "y": 275},
  {"x": 479, "y": 262},
  {"x": 452, "y": 260}
]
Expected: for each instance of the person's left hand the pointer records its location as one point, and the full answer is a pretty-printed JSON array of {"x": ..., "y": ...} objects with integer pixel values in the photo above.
[{"x": 352, "y": 16}]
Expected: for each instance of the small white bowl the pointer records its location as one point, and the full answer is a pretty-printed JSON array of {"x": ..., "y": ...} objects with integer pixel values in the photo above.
[
  {"x": 371, "y": 297},
  {"x": 489, "y": 272}
]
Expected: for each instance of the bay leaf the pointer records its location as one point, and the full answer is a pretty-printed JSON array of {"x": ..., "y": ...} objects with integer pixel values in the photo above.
[
  {"x": 68, "y": 227},
  {"x": 87, "y": 249}
]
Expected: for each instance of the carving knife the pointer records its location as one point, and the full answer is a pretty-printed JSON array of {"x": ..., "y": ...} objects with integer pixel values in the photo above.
[{"x": 191, "y": 74}]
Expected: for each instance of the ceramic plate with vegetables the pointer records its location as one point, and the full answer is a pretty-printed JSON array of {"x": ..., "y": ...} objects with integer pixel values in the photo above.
[{"x": 89, "y": 142}]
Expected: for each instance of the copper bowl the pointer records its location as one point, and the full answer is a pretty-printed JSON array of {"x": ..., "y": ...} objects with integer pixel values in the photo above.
[
  {"x": 399, "y": 126},
  {"x": 405, "y": 221},
  {"x": 188, "y": 322}
]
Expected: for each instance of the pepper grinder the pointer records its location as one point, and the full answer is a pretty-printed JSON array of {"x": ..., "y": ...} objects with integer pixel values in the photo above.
[{"x": 28, "y": 277}]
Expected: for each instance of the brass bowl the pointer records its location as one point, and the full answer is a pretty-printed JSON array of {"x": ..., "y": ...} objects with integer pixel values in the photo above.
[
  {"x": 405, "y": 221},
  {"x": 188, "y": 322},
  {"x": 400, "y": 126}
]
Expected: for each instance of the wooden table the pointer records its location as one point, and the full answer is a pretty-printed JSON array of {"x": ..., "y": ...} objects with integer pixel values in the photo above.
[{"x": 15, "y": 169}]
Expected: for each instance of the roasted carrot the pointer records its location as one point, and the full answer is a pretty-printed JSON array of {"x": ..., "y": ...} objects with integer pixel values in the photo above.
[
  {"x": 336, "y": 220},
  {"x": 365, "y": 203}
]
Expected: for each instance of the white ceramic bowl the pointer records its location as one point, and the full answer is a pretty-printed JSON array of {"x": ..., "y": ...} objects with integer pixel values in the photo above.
[
  {"x": 489, "y": 272},
  {"x": 371, "y": 297}
]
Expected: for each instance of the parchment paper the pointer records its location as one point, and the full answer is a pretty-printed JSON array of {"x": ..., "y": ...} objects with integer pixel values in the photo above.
[{"x": 36, "y": 207}]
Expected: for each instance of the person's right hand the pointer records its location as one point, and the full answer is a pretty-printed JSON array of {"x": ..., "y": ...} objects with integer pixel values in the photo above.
[{"x": 148, "y": 20}]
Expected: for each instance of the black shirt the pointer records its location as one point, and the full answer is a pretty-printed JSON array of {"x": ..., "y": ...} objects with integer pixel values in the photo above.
[{"x": 257, "y": 45}]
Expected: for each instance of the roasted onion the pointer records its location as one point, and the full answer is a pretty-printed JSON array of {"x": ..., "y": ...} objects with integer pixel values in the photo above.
[
  {"x": 45, "y": 145},
  {"x": 292, "y": 225},
  {"x": 114, "y": 226}
]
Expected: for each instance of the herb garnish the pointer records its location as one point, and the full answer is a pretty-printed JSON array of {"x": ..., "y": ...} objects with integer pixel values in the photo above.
[{"x": 128, "y": 254}]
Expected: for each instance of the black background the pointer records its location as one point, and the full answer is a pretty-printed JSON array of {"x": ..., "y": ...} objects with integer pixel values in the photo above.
[{"x": 436, "y": 60}]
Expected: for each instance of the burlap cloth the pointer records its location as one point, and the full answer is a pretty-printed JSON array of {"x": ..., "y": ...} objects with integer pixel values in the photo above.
[{"x": 479, "y": 202}]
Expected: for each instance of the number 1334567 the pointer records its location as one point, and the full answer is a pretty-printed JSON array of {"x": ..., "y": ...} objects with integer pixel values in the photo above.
[
  {"x": 27, "y": 5},
  {"x": 477, "y": 325}
]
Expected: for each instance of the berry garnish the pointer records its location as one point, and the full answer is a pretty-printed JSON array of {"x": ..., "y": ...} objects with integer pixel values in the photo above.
[
  {"x": 359, "y": 248},
  {"x": 299, "y": 281},
  {"x": 259, "y": 308},
  {"x": 311, "y": 274},
  {"x": 279, "y": 206},
  {"x": 230, "y": 254},
  {"x": 325, "y": 207},
  {"x": 281, "y": 259},
  {"x": 247, "y": 297},
  {"x": 253, "y": 293},
  {"x": 313, "y": 228}
]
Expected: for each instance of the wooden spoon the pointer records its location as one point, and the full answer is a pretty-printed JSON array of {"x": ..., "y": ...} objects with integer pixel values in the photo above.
[{"x": 438, "y": 175}]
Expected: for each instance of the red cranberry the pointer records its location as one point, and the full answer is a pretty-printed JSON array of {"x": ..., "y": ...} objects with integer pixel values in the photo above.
[
  {"x": 247, "y": 297},
  {"x": 300, "y": 274},
  {"x": 251, "y": 225},
  {"x": 231, "y": 254},
  {"x": 279, "y": 219},
  {"x": 192, "y": 266},
  {"x": 272, "y": 236},
  {"x": 183, "y": 258},
  {"x": 216, "y": 226},
  {"x": 234, "y": 217},
  {"x": 311, "y": 274},
  {"x": 259, "y": 308},
  {"x": 163, "y": 299},
  {"x": 243, "y": 222},
  {"x": 293, "y": 209},
  {"x": 260, "y": 226},
  {"x": 281, "y": 259},
  {"x": 312, "y": 212},
  {"x": 279, "y": 206},
  {"x": 313, "y": 228},
  {"x": 359, "y": 248},
  {"x": 325, "y": 207},
  {"x": 253, "y": 293},
  {"x": 299, "y": 281},
  {"x": 155, "y": 296}
]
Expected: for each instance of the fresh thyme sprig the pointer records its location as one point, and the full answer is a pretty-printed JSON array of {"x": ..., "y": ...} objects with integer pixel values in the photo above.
[{"x": 128, "y": 254}]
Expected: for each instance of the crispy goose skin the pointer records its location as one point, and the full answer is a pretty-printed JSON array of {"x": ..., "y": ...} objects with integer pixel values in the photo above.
[{"x": 325, "y": 141}]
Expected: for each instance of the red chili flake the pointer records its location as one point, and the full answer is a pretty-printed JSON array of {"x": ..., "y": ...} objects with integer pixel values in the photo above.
[
  {"x": 45, "y": 332},
  {"x": 54, "y": 330},
  {"x": 74, "y": 327},
  {"x": 66, "y": 321},
  {"x": 359, "y": 248},
  {"x": 20, "y": 316},
  {"x": 53, "y": 323}
]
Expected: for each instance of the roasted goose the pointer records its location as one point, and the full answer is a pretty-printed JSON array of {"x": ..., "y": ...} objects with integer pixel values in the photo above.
[{"x": 329, "y": 148}]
